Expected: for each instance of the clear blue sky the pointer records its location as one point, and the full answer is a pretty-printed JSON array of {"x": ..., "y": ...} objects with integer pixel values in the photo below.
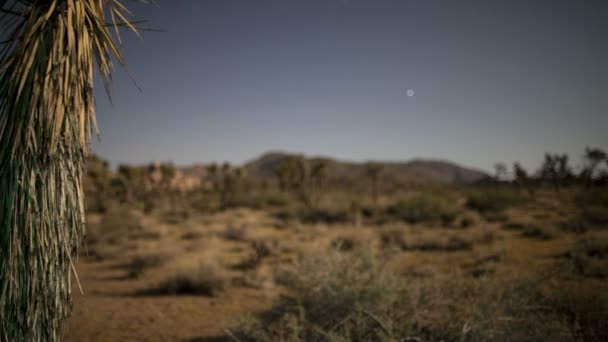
[{"x": 492, "y": 80}]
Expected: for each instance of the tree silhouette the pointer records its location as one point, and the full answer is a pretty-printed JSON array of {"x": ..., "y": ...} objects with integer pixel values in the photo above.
[
  {"x": 555, "y": 170},
  {"x": 319, "y": 174},
  {"x": 373, "y": 171},
  {"x": 500, "y": 171},
  {"x": 593, "y": 158},
  {"x": 294, "y": 175},
  {"x": 522, "y": 180}
]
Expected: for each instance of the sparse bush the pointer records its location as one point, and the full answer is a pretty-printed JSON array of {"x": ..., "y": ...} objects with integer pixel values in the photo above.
[
  {"x": 206, "y": 280},
  {"x": 451, "y": 243},
  {"x": 593, "y": 206},
  {"x": 586, "y": 310},
  {"x": 235, "y": 233},
  {"x": 345, "y": 243},
  {"x": 118, "y": 221},
  {"x": 351, "y": 297},
  {"x": 493, "y": 200},
  {"x": 424, "y": 208},
  {"x": 532, "y": 229},
  {"x": 539, "y": 232},
  {"x": 191, "y": 235},
  {"x": 589, "y": 258},
  {"x": 334, "y": 297},
  {"x": 467, "y": 221},
  {"x": 140, "y": 263}
]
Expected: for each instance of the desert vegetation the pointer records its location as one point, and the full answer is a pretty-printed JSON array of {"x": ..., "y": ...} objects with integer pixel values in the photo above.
[{"x": 290, "y": 250}]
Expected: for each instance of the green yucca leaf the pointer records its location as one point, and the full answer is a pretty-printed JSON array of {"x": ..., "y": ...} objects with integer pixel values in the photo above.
[{"x": 47, "y": 113}]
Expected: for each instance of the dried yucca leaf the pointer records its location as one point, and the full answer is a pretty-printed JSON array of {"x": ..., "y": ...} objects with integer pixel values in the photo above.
[{"x": 47, "y": 113}]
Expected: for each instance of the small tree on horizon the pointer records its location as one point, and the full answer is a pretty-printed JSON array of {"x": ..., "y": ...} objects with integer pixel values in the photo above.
[
  {"x": 373, "y": 171},
  {"x": 593, "y": 158},
  {"x": 500, "y": 171}
]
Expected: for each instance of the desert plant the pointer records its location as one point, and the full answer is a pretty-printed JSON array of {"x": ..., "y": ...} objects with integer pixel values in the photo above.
[
  {"x": 47, "y": 113},
  {"x": 333, "y": 297},
  {"x": 490, "y": 201},
  {"x": 522, "y": 179},
  {"x": 425, "y": 207},
  {"x": 593, "y": 207},
  {"x": 206, "y": 280},
  {"x": 500, "y": 171},
  {"x": 373, "y": 171},
  {"x": 318, "y": 177},
  {"x": 593, "y": 158}
]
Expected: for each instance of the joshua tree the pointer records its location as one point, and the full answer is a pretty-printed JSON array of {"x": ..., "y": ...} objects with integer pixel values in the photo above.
[
  {"x": 48, "y": 54},
  {"x": 593, "y": 158},
  {"x": 373, "y": 171},
  {"x": 500, "y": 171},
  {"x": 556, "y": 170},
  {"x": 318, "y": 177},
  {"x": 212, "y": 171},
  {"x": 233, "y": 182},
  {"x": 294, "y": 175},
  {"x": 226, "y": 184},
  {"x": 522, "y": 180}
]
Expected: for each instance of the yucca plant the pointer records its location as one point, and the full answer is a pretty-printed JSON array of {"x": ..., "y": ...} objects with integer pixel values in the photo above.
[{"x": 47, "y": 114}]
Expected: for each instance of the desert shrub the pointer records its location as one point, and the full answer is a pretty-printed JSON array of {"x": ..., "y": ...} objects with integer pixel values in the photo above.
[
  {"x": 539, "y": 232},
  {"x": 191, "y": 235},
  {"x": 392, "y": 237},
  {"x": 352, "y": 297},
  {"x": 593, "y": 208},
  {"x": 590, "y": 258},
  {"x": 175, "y": 217},
  {"x": 443, "y": 243},
  {"x": 467, "y": 221},
  {"x": 235, "y": 232},
  {"x": 592, "y": 198},
  {"x": 206, "y": 280},
  {"x": 119, "y": 221},
  {"x": 264, "y": 248},
  {"x": 493, "y": 200},
  {"x": 140, "y": 263},
  {"x": 595, "y": 215},
  {"x": 532, "y": 229},
  {"x": 262, "y": 200},
  {"x": 585, "y": 309},
  {"x": 345, "y": 243},
  {"x": 333, "y": 297},
  {"x": 325, "y": 215},
  {"x": 423, "y": 208},
  {"x": 329, "y": 214}
]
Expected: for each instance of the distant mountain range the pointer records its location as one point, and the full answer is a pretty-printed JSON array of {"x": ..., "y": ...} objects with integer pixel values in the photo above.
[
  {"x": 394, "y": 175},
  {"x": 414, "y": 172}
]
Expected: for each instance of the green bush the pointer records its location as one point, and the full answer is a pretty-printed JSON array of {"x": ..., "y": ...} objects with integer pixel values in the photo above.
[
  {"x": 493, "y": 201},
  {"x": 425, "y": 208},
  {"x": 593, "y": 207}
]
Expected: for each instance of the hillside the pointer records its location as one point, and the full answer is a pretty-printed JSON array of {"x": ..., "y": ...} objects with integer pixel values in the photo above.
[{"x": 402, "y": 173}]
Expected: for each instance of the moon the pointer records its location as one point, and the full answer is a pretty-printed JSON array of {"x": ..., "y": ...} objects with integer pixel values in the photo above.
[{"x": 410, "y": 92}]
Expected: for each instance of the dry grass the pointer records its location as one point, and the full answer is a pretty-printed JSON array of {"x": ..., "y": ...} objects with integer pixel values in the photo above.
[
  {"x": 235, "y": 232},
  {"x": 333, "y": 296},
  {"x": 352, "y": 297},
  {"x": 430, "y": 241}
]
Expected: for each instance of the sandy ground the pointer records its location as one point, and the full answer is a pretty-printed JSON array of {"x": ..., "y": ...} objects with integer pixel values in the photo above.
[{"x": 116, "y": 307}]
